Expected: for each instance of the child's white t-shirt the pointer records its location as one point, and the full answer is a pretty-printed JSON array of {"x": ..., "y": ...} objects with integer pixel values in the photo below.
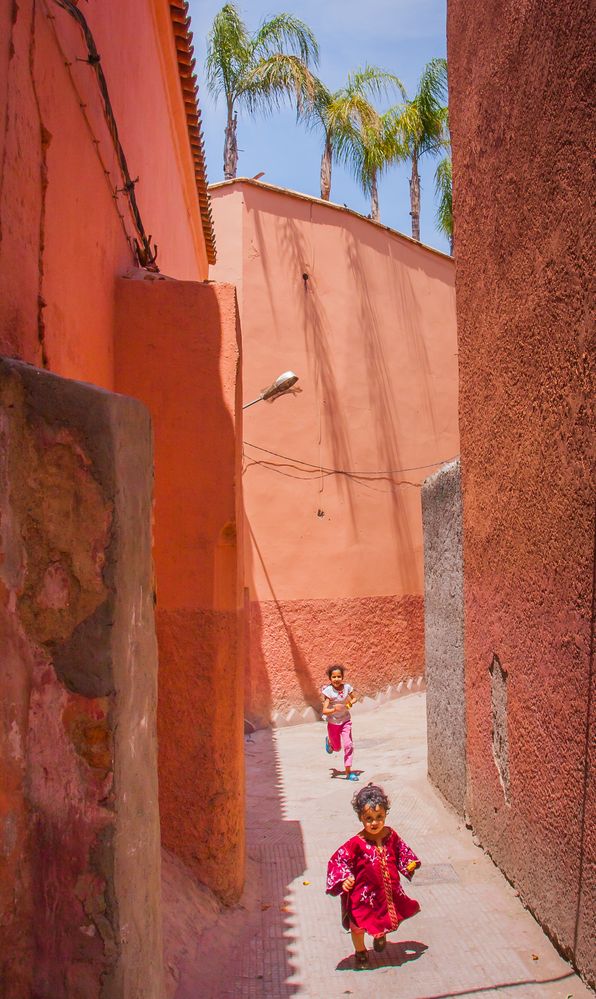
[{"x": 338, "y": 697}]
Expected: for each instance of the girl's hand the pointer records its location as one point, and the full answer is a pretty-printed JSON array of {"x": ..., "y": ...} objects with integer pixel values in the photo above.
[{"x": 348, "y": 884}]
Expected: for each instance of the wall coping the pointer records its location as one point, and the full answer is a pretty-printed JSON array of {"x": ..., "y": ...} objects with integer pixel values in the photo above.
[{"x": 311, "y": 198}]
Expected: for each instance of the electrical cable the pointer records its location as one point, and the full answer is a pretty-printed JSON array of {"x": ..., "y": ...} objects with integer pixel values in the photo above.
[
  {"x": 346, "y": 471},
  {"x": 145, "y": 254}
]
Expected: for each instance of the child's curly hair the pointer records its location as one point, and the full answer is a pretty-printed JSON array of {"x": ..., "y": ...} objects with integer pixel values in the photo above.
[
  {"x": 338, "y": 666},
  {"x": 372, "y": 795}
]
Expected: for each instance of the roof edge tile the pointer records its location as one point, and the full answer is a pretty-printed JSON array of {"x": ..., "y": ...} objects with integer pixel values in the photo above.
[{"x": 182, "y": 35}]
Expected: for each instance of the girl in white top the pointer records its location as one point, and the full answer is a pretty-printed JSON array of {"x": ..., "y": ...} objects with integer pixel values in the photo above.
[{"x": 338, "y": 698}]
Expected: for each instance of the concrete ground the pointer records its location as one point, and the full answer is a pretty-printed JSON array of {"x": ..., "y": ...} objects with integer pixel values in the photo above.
[{"x": 472, "y": 937}]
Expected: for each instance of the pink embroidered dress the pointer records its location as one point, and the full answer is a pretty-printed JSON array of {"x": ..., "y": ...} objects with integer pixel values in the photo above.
[{"x": 377, "y": 903}]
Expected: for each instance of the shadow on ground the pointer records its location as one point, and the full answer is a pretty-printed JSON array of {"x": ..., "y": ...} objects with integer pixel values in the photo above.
[
  {"x": 334, "y": 772},
  {"x": 394, "y": 955},
  {"x": 216, "y": 953}
]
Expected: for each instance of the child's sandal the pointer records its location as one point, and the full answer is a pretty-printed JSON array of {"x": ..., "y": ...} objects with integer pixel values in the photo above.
[
  {"x": 379, "y": 943},
  {"x": 361, "y": 958}
]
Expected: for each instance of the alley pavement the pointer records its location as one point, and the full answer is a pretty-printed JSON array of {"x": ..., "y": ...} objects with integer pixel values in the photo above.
[{"x": 472, "y": 938}]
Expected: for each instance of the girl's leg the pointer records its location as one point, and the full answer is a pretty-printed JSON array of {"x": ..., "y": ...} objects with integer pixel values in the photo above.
[
  {"x": 360, "y": 951},
  {"x": 334, "y": 736},
  {"x": 348, "y": 745},
  {"x": 358, "y": 940}
]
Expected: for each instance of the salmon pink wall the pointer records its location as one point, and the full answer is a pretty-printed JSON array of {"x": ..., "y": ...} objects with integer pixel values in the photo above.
[
  {"x": 520, "y": 82},
  {"x": 63, "y": 240},
  {"x": 366, "y": 318}
]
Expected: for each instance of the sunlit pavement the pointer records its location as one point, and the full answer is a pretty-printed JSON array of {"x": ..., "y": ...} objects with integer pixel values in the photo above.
[{"x": 472, "y": 937}]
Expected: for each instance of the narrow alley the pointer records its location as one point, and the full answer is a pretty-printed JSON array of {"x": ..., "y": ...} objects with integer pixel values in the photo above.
[{"x": 472, "y": 937}]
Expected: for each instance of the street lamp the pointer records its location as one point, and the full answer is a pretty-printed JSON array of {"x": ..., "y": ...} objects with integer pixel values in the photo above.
[{"x": 281, "y": 384}]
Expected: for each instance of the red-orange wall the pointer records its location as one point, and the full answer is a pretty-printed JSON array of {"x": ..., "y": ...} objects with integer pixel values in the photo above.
[
  {"x": 520, "y": 90},
  {"x": 334, "y": 561},
  {"x": 62, "y": 239},
  {"x": 63, "y": 253},
  {"x": 178, "y": 350}
]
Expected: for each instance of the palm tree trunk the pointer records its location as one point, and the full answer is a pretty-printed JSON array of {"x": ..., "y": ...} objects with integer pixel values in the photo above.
[
  {"x": 326, "y": 170},
  {"x": 374, "y": 199},
  {"x": 231, "y": 146},
  {"x": 415, "y": 197}
]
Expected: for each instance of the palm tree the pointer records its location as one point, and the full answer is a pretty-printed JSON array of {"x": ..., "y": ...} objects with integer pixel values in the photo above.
[
  {"x": 444, "y": 190},
  {"x": 259, "y": 71},
  {"x": 377, "y": 148},
  {"x": 422, "y": 128},
  {"x": 345, "y": 115}
]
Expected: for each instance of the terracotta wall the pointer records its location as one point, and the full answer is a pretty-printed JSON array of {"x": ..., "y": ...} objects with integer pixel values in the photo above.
[
  {"x": 65, "y": 243},
  {"x": 177, "y": 349},
  {"x": 522, "y": 138},
  {"x": 64, "y": 233},
  {"x": 366, "y": 318},
  {"x": 79, "y": 821}
]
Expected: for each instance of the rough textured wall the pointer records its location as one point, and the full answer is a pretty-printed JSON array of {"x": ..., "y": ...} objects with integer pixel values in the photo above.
[
  {"x": 444, "y": 633},
  {"x": 177, "y": 349},
  {"x": 332, "y": 474},
  {"x": 66, "y": 231},
  {"x": 522, "y": 125},
  {"x": 79, "y": 892}
]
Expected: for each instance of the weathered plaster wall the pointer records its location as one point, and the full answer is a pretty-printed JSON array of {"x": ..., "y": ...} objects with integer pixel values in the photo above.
[
  {"x": 444, "y": 633},
  {"x": 520, "y": 88},
  {"x": 64, "y": 234},
  {"x": 366, "y": 318},
  {"x": 79, "y": 825},
  {"x": 177, "y": 349}
]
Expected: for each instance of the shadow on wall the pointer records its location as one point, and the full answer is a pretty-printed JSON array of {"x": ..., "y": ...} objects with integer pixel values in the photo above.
[
  {"x": 254, "y": 941},
  {"x": 382, "y": 404},
  {"x": 259, "y": 683},
  {"x": 177, "y": 349},
  {"x": 321, "y": 341},
  {"x": 318, "y": 336}
]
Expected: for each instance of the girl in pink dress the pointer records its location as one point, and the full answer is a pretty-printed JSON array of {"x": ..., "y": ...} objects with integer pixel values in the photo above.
[
  {"x": 366, "y": 870},
  {"x": 338, "y": 697}
]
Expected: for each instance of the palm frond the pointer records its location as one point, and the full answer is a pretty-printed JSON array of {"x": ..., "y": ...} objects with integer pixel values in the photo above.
[
  {"x": 287, "y": 34},
  {"x": 273, "y": 81},
  {"x": 374, "y": 82},
  {"x": 228, "y": 51},
  {"x": 370, "y": 148},
  {"x": 444, "y": 192},
  {"x": 432, "y": 88},
  {"x": 313, "y": 108},
  {"x": 423, "y": 122}
]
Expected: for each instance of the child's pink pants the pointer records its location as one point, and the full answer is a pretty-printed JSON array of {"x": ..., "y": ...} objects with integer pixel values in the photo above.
[{"x": 341, "y": 735}]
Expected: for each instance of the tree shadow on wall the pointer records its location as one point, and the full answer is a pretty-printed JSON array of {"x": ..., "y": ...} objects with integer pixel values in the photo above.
[
  {"x": 317, "y": 330},
  {"x": 325, "y": 344},
  {"x": 311, "y": 693}
]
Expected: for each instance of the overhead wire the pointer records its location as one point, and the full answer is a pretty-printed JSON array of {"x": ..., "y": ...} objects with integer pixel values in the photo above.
[{"x": 346, "y": 471}]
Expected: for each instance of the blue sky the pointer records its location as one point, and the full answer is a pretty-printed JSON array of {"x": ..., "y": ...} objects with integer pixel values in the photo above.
[{"x": 398, "y": 35}]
